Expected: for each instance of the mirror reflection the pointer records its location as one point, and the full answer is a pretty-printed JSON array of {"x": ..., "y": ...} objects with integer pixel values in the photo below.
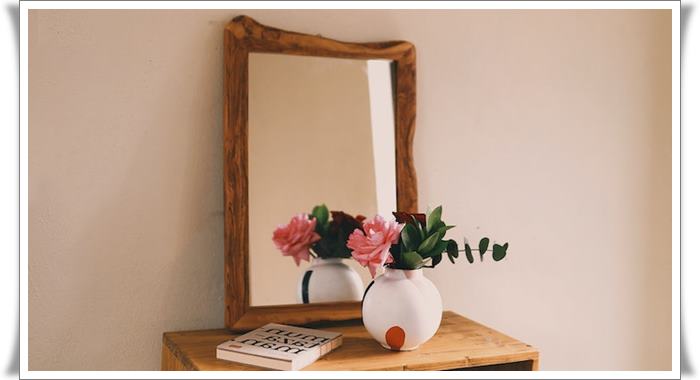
[{"x": 321, "y": 131}]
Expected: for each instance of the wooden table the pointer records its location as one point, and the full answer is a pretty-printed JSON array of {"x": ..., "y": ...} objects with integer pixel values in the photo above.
[{"x": 459, "y": 344}]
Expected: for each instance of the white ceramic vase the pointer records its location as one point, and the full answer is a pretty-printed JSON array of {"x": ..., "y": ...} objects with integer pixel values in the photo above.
[
  {"x": 329, "y": 280},
  {"x": 401, "y": 309}
]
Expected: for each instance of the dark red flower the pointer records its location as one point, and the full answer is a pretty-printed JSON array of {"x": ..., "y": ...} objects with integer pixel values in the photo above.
[
  {"x": 345, "y": 222},
  {"x": 333, "y": 241},
  {"x": 405, "y": 217}
]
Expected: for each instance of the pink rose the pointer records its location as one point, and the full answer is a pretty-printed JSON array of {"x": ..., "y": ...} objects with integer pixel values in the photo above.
[
  {"x": 371, "y": 247},
  {"x": 296, "y": 237}
]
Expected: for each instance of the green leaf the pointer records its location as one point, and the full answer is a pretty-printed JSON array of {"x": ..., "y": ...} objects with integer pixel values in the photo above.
[
  {"x": 434, "y": 217},
  {"x": 452, "y": 260},
  {"x": 410, "y": 237},
  {"x": 428, "y": 244},
  {"x": 320, "y": 212},
  {"x": 468, "y": 251},
  {"x": 452, "y": 249},
  {"x": 412, "y": 259},
  {"x": 499, "y": 251},
  {"x": 419, "y": 227},
  {"x": 398, "y": 259},
  {"x": 443, "y": 229},
  {"x": 483, "y": 247},
  {"x": 440, "y": 247}
]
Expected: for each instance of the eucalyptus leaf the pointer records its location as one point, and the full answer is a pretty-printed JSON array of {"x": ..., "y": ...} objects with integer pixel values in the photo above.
[
  {"x": 452, "y": 249},
  {"x": 452, "y": 260},
  {"x": 412, "y": 259},
  {"x": 468, "y": 251},
  {"x": 499, "y": 251},
  {"x": 437, "y": 259},
  {"x": 434, "y": 217},
  {"x": 428, "y": 244},
  {"x": 483, "y": 247}
]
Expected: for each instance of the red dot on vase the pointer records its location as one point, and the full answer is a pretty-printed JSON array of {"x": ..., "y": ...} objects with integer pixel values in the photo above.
[{"x": 395, "y": 337}]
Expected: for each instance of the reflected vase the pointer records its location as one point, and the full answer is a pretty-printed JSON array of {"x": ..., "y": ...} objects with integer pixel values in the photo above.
[
  {"x": 401, "y": 309},
  {"x": 329, "y": 280}
]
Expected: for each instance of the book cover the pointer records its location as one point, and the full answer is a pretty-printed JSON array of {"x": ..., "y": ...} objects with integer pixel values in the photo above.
[{"x": 279, "y": 347}]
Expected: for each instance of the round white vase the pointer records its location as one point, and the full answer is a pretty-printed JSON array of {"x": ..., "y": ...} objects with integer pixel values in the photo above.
[
  {"x": 329, "y": 280},
  {"x": 401, "y": 309}
]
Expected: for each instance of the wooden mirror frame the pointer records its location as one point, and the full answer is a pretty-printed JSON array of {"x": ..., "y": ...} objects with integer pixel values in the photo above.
[{"x": 244, "y": 35}]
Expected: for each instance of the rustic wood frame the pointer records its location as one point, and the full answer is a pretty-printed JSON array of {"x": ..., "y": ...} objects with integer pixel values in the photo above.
[{"x": 244, "y": 35}]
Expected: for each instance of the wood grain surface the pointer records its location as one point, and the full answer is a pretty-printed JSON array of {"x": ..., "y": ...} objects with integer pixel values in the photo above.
[
  {"x": 242, "y": 36},
  {"x": 460, "y": 344}
]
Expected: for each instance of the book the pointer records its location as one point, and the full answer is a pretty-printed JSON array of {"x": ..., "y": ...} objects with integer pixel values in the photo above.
[{"x": 279, "y": 347}]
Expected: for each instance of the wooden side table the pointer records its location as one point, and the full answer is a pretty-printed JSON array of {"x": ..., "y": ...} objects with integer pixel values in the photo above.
[{"x": 460, "y": 344}]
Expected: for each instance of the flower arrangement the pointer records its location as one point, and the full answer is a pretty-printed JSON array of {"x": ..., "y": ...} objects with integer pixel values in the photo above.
[
  {"x": 321, "y": 234},
  {"x": 412, "y": 241}
]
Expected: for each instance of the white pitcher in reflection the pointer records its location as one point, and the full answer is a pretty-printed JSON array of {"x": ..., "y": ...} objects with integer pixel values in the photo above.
[{"x": 329, "y": 280}]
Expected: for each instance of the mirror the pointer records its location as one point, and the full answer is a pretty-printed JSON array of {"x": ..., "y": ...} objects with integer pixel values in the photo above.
[
  {"x": 320, "y": 130},
  {"x": 308, "y": 120}
]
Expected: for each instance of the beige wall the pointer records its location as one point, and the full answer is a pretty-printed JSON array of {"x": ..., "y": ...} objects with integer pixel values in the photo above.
[{"x": 549, "y": 129}]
